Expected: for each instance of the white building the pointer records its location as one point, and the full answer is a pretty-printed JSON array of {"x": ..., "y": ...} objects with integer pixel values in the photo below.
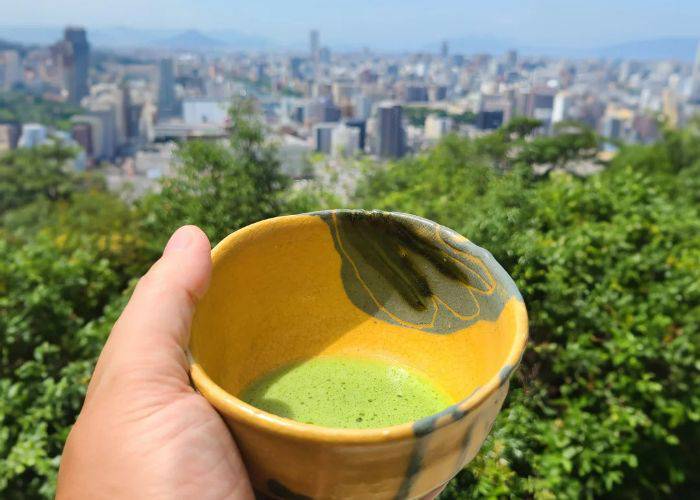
[
  {"x": 293, "y": 154},
  {"x": 345, "y": 141},
  {"x": 561, "y": 108},
  {"x": 33, "y": 134},
  {"x": 323, "y": 137},
  {"x": 436, "y": 127},
  {"x": 200, "y": 111}
]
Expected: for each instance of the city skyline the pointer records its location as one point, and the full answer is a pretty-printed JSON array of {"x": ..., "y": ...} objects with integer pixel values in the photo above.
[{"x": 393, "y": 25}]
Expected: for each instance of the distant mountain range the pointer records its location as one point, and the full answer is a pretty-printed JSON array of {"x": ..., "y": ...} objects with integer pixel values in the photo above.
[
  {"x": 189, "y": 40},
  {"x": 680, "y": 48},
  {"x": 122, "y": 37}
]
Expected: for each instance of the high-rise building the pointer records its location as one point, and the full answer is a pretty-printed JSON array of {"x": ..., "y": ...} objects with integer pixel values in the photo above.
[
  {"x": 444, "y": 49},
  {"x": 314, "y": 45},
  {"x": 416, "y": 93},
  {"x": 93, "y": 144},
  {"x": 561, "y": 109},
  {"x": 436, "y": 127},
  {"x": 75, "y": 62},
  {"x": 512, "y": 59},
  {"x": 390, "y": 131},
  {"x": 167, "y": 101},
  {"x": 33, "y": 134},
  {"x": 695, "y": 83},
  {"x": 345, "y": 141},
  {"x": 106, "y": 116},
  {"x": 323, "y": 137},
  {"x": 295, "y": 65},
  {"x": 82, "y": 134},
  {"x": 9, "y": 135},
  {"x": 488, "y": 120},
  {"x": 10, "y": 69},
  {"x": 360, "y": 125},
  {"x": 324, "y": 55}
]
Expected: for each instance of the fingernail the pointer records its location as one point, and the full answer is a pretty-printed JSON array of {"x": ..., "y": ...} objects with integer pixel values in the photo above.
[{"x": 179, "y": 240}]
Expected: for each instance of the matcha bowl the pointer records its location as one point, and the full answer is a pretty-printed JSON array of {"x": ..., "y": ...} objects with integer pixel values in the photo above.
[{"x": 380, "y": 287}]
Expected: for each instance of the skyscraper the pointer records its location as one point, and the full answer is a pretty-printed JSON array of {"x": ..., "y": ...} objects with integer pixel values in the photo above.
[
  {"x": 10, "y": 69},
  {"x": 390, "y": 131},
  {"x": 314, "y": 44},
  {"x": 75, "y": 59},
  {"x": 444, "y": 49},
  {"x": 695, "y": 84},
  {"x": 167, "y": 102}
]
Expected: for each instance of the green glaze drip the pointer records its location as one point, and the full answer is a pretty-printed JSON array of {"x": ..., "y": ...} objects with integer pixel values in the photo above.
[
  {"x": 346, "y": 392},
  {"x": 387, "y": 242}
]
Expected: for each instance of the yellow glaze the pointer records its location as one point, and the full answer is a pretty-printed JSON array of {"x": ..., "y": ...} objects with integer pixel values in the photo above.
[{"x": 276, "y": 296}]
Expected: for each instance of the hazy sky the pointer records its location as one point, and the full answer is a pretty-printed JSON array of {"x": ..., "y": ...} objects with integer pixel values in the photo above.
[{"x": 382, "y": 22}]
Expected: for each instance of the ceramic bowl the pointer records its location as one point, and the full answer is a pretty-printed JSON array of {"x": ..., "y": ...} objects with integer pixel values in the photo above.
[{"x": 381, "y": 285}]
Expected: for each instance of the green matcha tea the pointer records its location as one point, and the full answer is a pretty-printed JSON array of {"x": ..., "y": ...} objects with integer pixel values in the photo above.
[{"x": 346, "y": 392}]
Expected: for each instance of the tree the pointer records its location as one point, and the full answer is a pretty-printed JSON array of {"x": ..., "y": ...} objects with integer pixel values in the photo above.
[
  {"x": 27, "y": 174},
  {"x": 221, "y": 187}
]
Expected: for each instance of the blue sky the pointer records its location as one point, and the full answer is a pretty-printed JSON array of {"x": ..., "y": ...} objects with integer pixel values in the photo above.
[{"x": 569, "y": 23}]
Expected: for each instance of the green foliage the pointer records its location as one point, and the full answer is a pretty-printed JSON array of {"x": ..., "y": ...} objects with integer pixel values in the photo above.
[
  {"x": 606, "y": 402},
  {"x": 607, "y": 399},
  {"x": 416, "y": 115},
  {"x": 69, "y": 252},
  {"x": 28, "y": 174},
  {"x": 26, "y": 108},
  {"x": 220, "y": 187}
]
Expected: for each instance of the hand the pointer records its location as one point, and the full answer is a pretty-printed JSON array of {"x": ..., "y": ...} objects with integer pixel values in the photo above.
[{"x": 143, "y": 432}]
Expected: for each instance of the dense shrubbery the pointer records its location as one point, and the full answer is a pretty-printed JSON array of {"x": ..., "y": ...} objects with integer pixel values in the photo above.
[{"x": 606, "y": 402}]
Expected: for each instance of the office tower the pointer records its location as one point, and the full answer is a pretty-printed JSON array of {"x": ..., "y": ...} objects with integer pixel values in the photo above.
[
  {"x": 489, "y": 120},
  {"x": 129, "y": 117},
  {"x": 323, "y": 136},
  {"x": 75, "y": 61},
  {"x": 362, "y": 105},
  {"x": 512, "y": 59},
  {"x": 416, "y": 93},
  {"x": 436, "y": 127},
  {"x": 107, "y": 129},
  {"x": 390, "y": 131},
  {"x": 324, "y": 55},
  {"x": 9, "y": 135},
  {"x": 314, "y": 41},
  {"x": 360, "y": 125},
  {"x": 437, "y": 93},
  {"x": 82, "y": 134},
  {"x": 695, "y": 82},
  {"x": 10, "y": 69},
  {"x": 167, "y": 101},
  {"x": 345, "y": 141},
  {"x": 331, "y": 112},
  {"x": 33, "y": 134},
  {"x": 444, "y": 49},
  {"x": 295, "y": 65},
  {"x": 93, "y": 124},
  {"x": 561, "y": 109},
  {"x": 671, "y": 109}
]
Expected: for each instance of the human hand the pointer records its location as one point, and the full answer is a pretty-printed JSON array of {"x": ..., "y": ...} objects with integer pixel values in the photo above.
[{"x": 143, "y": 432}]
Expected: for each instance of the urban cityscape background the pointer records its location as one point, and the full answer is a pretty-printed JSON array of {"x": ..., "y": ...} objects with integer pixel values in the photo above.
[{"x": 126, "y": 102}]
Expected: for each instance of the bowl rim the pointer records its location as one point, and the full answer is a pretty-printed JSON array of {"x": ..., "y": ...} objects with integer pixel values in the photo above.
[{"x": 243, "y": 413}]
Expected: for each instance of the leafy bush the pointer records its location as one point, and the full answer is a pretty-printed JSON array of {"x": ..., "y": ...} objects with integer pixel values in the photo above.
[
  {"x": 607, "y": 399},
  {"x": 606, "y": 402}
]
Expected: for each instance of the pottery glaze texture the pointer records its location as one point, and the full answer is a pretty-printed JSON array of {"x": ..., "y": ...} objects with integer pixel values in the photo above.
[{"x": 388, "y": 286}]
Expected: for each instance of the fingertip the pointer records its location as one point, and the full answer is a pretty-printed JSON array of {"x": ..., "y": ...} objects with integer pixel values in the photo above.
[{"x": 186, "y": 237}]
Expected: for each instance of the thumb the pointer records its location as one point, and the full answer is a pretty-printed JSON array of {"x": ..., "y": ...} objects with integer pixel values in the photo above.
[{"x": 149, "y": 339}]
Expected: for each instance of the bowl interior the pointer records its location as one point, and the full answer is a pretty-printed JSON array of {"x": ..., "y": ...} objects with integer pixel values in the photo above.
[{"x": 377, "y": 285}]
